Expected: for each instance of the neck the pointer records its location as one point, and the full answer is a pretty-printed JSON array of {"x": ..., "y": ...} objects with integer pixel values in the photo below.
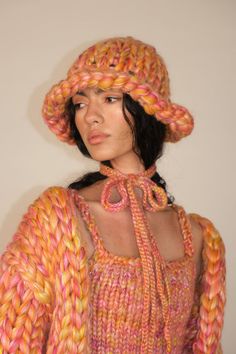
[
  {"x": 132, "y": 165},
  {"x": 128, "y": 174}
]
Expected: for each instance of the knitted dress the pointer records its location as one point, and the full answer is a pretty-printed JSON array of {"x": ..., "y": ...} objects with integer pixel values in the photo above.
[
  {"x": 117, "y": 295},
  {"x": 54, "y": 300}
]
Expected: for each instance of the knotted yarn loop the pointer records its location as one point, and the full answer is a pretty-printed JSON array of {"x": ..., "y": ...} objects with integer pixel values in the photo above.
[
  {"x": 154, "y": 197},
  {"x": 155, "y": 282}
]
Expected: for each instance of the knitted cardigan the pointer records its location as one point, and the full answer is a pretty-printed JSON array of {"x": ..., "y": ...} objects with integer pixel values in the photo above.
[{"x": 44, "y": 284}]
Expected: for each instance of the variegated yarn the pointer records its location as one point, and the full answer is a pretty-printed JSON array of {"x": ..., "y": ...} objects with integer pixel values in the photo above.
[
  {"x": 44, "y": 284},
  {"x": 44, "y": 281},
  {"x": 212, "y": 293},
  {"x": 125, "y": 185},
  {"x": 119, "y": 63}
]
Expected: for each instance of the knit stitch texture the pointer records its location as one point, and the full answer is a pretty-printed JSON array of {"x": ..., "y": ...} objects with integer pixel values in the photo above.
[
  {"x": 126, "y": 64},
  {"x": 54, "y": 300}
]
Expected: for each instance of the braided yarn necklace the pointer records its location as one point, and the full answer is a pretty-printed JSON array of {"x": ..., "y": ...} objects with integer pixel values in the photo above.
[{"x": 155, "y": 283}]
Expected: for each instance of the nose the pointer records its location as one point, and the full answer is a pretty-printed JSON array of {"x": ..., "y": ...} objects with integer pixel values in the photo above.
[{"x": 93, "y": 114}]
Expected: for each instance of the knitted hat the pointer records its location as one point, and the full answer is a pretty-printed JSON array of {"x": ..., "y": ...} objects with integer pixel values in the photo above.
[{"x": 119, "y": 63}]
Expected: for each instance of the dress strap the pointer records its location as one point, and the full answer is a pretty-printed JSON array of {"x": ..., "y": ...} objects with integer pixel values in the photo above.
[
  {"x": 88, "y": 219},
  {"x": 185, "y": 229}
]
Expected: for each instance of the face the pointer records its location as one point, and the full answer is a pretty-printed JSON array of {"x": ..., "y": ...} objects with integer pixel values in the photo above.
[{"x": 100, "y": 120}]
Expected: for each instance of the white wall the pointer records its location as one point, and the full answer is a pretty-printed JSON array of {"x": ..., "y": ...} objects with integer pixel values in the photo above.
[{"x": 40, "y": 39}]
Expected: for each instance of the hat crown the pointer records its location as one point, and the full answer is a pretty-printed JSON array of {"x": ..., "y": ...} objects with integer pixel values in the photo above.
[
  {"x": 126, "y": 55},
  {"x": 119, "y": 63}
]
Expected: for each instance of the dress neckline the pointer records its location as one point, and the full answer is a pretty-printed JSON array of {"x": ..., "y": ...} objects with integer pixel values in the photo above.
[
  {"x": 152, "y": 265},
  {"x": 100, "y": 250}
]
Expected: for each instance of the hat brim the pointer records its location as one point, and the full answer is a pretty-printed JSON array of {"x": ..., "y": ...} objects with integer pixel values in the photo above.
[{"x": 177, "y": 118}]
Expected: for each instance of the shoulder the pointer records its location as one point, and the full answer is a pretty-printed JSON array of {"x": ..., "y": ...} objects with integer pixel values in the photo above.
[
  {"x": 203, "y": 229},
  {"x": 206, "y": 227},
  {"x": 197, "y": 234},
  {"x": 53, "y": 206},
  {"x": 53, "y": 197},
  {"x": 93, "y": 192},
  {"x": 53, "y": 191},
  {"x": 37, "y": 226},
  {"x": 208, "y": 239},
  {"x": 54, "y": 217}
]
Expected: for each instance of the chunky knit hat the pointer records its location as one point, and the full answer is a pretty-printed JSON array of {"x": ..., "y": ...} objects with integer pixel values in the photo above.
[{"x": 120, "y": 63}]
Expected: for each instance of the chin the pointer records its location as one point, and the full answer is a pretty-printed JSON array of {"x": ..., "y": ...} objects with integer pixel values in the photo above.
[{"x": 98, "y": 156}]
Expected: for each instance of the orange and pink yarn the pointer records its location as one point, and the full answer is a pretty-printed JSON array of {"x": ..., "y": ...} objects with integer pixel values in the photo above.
[
  {"x": 53, "y": 299},
  {"x": 45, "y": 286},
  {"x": 125, "y": 184},
  {"x": 119, "y": 63}
]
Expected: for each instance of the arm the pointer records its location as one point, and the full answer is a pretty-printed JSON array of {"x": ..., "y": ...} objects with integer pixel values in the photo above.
[
  {"x": 206, "y": 321},
  {"x": 38, "y": 272},
  {"x": 25, "y": 290}
]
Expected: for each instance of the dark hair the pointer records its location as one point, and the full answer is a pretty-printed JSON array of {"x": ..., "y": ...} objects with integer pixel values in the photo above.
[{"x": 148, "y": 142}]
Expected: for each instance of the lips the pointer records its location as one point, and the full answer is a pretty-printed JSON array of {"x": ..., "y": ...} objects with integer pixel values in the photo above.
[{"x": 96, "y": 137}]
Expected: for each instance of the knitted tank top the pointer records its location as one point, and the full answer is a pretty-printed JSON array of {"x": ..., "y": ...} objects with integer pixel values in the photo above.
[{"x": 116, "y": 300}]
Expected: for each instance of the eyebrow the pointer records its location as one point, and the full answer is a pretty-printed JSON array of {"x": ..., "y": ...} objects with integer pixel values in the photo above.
[{"x": 98, "y": 91}]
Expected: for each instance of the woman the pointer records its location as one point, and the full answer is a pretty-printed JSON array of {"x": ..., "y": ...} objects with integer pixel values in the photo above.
[{"x": 111, "y": 264}]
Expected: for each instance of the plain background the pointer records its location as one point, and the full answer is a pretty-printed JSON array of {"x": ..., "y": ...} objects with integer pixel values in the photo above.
[{"x": 40, "y": 40}]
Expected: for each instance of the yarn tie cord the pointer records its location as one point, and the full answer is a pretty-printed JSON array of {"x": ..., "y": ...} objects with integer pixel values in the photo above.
[{"x": 155, "y": 282}]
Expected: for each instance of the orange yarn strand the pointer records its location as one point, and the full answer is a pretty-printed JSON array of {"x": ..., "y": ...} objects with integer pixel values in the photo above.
[
  {"x": 151, "y": 265},
  {"x": 45, "y": 282},
  {"x": 127, "y": 64}
]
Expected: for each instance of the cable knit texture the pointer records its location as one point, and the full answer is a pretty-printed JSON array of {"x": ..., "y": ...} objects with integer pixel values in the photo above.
[
  {"x": 126, "y": 64},
  {"x": 54, "y": 300}
]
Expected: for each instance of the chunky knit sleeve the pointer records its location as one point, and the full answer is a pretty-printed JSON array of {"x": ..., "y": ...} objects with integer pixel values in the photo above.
[
  {"x": 43, "y": 283},
  {"x": 206, "y": 321}
]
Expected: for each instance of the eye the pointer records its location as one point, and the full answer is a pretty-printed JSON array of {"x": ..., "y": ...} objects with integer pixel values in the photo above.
[
  {"x": 79, "y": 105},
  {"x": 112, "y": 99}
]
